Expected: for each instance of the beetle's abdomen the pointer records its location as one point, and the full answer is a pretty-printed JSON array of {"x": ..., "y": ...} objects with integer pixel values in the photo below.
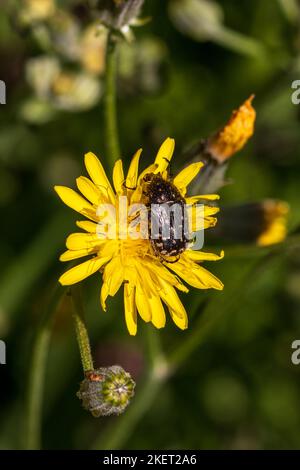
[{"x": 168, "y": 223}]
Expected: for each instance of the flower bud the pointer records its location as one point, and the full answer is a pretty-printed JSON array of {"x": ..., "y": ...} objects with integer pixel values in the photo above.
[
  {"x": 216, "y": 151},
  {"x": 117, "y": 14},
  {"x": 235, "y": 134},
  {"x": 275, "y": 222},
  {"x": 106, "y": 391}
]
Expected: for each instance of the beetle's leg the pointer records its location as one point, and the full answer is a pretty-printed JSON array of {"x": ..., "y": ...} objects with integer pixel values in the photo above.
[
  {"x": 127, "y": 187},
  {"x": 169, "y": 261}
]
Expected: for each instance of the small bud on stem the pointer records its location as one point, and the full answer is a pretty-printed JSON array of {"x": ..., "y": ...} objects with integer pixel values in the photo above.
[{"x": 106, "y": 391}]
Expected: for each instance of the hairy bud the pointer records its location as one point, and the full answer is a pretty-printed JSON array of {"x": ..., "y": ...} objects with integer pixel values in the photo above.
[{"x": 106, "y": 391}]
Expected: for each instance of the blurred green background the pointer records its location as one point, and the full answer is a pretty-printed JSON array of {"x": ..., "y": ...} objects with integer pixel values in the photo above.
[{"x": 181, "y": 78}]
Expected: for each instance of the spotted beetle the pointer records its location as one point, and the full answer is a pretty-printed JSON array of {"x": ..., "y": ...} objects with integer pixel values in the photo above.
[{"x": 161, "y": 196}]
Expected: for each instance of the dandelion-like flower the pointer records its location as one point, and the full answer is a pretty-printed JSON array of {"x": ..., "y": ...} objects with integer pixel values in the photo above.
[{"x": 150, "y": 275}]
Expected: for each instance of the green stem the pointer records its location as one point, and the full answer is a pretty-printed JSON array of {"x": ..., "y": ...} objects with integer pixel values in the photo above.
[
  {"x": 81, "y": 330},
  {"x": 111, "y": 127},
  {"x": 154, "y": 348},
  {"x": 239, "y": 42},
  {"x": 291, "y": 243},
  {"x": 35, "y": 389}
]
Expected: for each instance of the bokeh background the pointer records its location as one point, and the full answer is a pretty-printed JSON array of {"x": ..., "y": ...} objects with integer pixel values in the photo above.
[{"x": 235, "y": 386}]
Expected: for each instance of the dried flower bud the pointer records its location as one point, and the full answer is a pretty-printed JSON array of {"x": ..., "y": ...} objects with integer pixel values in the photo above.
[
  {"x": 117, "y": 14},
  {"x": 216, "y": 150},
  {"x": 235, "y": 134},
  {"x": 106, "y": 391}
]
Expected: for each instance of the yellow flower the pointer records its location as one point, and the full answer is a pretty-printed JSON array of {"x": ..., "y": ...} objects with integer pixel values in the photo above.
[
  {"x": 275, "y": 222},
  {"x": 149, "y": 280},
  {"x": 235, "y": 134}
]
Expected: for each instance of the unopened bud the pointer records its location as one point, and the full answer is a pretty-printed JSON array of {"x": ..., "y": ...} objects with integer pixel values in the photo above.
[
  {"x": 106, "y": 391},
  {"x": 235, "y": 134}
]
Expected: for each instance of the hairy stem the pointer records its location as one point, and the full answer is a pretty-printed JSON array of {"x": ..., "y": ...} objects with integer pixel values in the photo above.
[{"x": 81, "y": 330}]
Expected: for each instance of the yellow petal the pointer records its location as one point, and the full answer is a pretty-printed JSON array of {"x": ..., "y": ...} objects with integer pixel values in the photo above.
[
  {"x": 83, "y": 241},
  {"x": 86, "y": 225},
  {"x": 98, "y": 175},
  {"x": 130, "y": 275},
  {"x": 201, "y": 217},
  {"x": 142, "y": 304},
  {"x": 103, "y": 296},
  {"x": 82, "y": 271},
  {"x": 76, "y": 202},
  {"x": 195, "y": 275},
  {"x": 171, "y": 299},
  {"x": 69, "y": 255},
  {"x": 201, "y": 256},
  {"x": 202, "y": 197},
  {"x": 150, "y": 169},
  {"x": 162, "y": 273},
  {"x": 109, "y": 249},
  {"x": 182, "y": 323},
  {"x": 118, "y": 177},
  {"x": 132, "y": 174},
  {"x": 178, "y": 314},
  {"x": 137, "y": 195},
  {"x": 207, "y": 278},
  {"x": 211, "y": 210},
  {"x": 176, "y": 309},
  {"x": 164, "y": 155},
  {"x": 208, "y": 222},
  {"x": 89, "y": 190},
  {"x": 130, "y": 308},
  {"x": 147, "y": 281},
  {"x": 158, "y": 313},
  {"x": 183, "y": 179},
  {"x": 113, "y": 276}
]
